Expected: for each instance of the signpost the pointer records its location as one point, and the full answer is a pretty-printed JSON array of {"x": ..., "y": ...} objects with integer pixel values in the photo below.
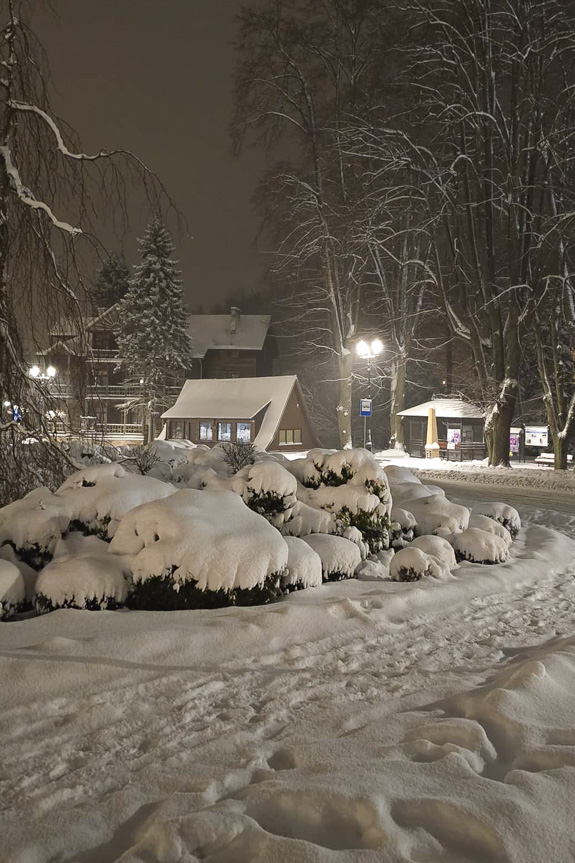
[
  {"x": 365, "y": 411},
  {"x": 536, "y": 436}
]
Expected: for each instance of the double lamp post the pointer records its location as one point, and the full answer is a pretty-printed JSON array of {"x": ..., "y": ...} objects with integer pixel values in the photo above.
[{"x": 368, "y": 351}]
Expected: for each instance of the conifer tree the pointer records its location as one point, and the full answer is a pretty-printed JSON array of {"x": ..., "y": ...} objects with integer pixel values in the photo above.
[
  {"x": 153, "y": 343},
  {"x": 112, "y": 281}
]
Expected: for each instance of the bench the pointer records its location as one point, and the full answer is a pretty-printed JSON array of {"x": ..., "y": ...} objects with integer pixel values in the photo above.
[{"x": 547, "y": 458}]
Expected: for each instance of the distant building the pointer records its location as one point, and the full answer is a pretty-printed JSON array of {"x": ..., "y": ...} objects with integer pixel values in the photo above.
[
  {"x": 267, "y": 411},
  {"x": 91, "y": 386},
  {"x": 460, "y": 429},
  {"x": 231, "y": 346}
]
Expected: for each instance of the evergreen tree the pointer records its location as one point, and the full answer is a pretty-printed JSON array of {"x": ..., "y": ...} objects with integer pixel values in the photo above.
[
  {"x": 154, "y": 345},
  {"x": 112, "y": 281}
]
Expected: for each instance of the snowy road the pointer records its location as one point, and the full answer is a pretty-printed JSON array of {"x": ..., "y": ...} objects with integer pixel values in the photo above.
[
  {"x": 358, "y": 722},
  {"x": 540, "y": 498}
]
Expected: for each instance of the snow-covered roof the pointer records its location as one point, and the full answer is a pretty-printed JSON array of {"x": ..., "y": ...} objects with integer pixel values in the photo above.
[
  {"x": 236, "y": 398},
  {"x": 453, "y": 408},
  {"x": 215, "y": 331}
]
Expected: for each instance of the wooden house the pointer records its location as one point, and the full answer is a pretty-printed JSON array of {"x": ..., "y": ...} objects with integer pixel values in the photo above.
[
  {"x": 460, "y": 429},
  {"x": 269, "y": 412}
]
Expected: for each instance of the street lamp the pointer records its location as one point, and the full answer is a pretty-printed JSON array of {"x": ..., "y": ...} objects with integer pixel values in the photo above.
[
  {"x": 35, "y": 372},
  {"x": 369, "y": 351}
]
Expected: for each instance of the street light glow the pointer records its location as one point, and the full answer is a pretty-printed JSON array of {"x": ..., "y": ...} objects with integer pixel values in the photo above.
[
  {"x": 34, "y": 372},
  {"x": 7, "y": 404},
  {"x": 51, "y": 371},
  {"x": 369, "y": 351}
]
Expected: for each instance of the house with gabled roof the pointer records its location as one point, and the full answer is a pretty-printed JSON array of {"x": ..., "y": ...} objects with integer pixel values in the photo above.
[
  {"x": 230, "y": 346},
  {"x": 269, "y": 412},
  {"x": 460, "y": 427}
]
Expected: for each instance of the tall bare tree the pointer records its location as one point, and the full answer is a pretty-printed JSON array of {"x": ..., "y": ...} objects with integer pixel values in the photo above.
[{"x": 51, "y": 198}]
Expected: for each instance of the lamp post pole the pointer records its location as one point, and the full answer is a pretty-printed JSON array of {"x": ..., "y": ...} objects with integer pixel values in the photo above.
[{"x": 368, "y": 351}]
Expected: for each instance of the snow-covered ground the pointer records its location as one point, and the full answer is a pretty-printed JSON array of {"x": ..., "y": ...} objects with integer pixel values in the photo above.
[{"x": 361, "y": 721}]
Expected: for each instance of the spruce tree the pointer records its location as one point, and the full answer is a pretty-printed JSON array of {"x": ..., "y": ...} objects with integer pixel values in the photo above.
[
  {"x": 112, "y": 281},
  {"x": 154, "y": 346}
]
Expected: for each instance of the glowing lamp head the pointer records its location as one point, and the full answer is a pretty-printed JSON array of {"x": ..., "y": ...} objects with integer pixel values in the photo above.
[
  {"x": 362, "y": 348},
  {"x": 7, "y": 404},
  {"x": 376, "y": 347},
  {"x": 51, "y": 371},
  {"x": 34, "y": 372}
]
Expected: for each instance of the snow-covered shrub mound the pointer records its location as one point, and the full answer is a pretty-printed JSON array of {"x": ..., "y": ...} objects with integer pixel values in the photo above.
[
  {"x": 402, "y": 528},
  {"x": 351, "y": 485},
  {"x": 339, "y": 556},
  {"x": 406, "y": 492},
  {"x": 12, "y": 590},
  {"x": 438, "y": 548},
  {"x": 34, "y": 524},
  {"x": 304, "y": 567},
  {"x": 504, "y": 514},
  {"x": 305, "y": 519},
  {"x": 413, "y": 564},
  {"x": 479, "y": 546},
  {"x": 396, "y": 474},
  {"x": 435, "y": 514},
  {"x": 171, "y": 452},
  {"x": 353, "y": 506},
  {"x": 268, "y": 489},
  {"x": 483, "y": 522},
  {"x": 28, "y": 573},
  {"x": 96, "y": 498},
  {"x": 354, "y": 535},
  {"x": 91, "y": 579},
  {"x": 200, "y": 549}
]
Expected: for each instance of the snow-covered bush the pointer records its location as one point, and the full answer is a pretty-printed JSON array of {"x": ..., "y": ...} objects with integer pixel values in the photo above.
[
  {"x": 33, "y": 525},
  {"x": 504, "y": 514},
  {"x": 351, "y": 485},
  {"x": 413, "y": 564},
  {"x": 483, "y": 522},
  {"x": 200, "y": 549},
  {"x": 438, "y": 548},
  {"x": 28, "y": 573},
  {"x": 479, "y": 546},
  {"x": 435, "y": 514},
  {"x": 304, "y": 567},
  {"x": 339, "y": 557},
  {"x": 305, "y": 519},
  {"x": 96, "y": 498},
  {"x": 238, "y": 454},
  {"x": 396, "y": 474},
  {"x": 12, "y": 590},
  {"x": 404, "y": 493},
  {"x": 268, "y": 489},
  {"x": 402, "y": 528},
  {"x": 88, "y": 578}
]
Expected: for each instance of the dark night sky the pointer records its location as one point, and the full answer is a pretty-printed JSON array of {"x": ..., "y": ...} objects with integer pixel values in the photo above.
[{"x": 156, "y": 77}]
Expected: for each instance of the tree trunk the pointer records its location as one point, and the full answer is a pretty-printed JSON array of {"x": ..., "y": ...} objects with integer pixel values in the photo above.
[
  {"x": 398, "y": 377},
  {"x": 560, "y": 447},
  {"x": 497, "y": 430},
  {"x": 345, "y": 367}
]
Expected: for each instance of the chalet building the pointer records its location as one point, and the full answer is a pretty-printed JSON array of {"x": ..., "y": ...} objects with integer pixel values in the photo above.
[
  {"x": 269, "y": 412},
  {"x": 460, "y": 429},
  {"x": 91, "y": 386},
  {"x": 231, "y": 346}
]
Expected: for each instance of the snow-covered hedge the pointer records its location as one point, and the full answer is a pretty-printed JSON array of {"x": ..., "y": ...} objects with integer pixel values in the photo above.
[
  {"x": 351, "y": 485},
  {"x": 12, "y": 590},
  {"x": 427, "y": 556},
  {"x": 339, "y": 557},
  {"x": 483, "y": 522},
  {"x": 33, "y": 525},
  {"x": 98, "y": 497},
  {"x": 304, "y": 567},
  {"x": 200, "y": 549},
  {"x": 436, "y": 515},
  {"x": 87, "y": 578},
  {"x": 480, "y": 546},
  {"x": 265, "y": 486},
  {"x": 403, "y": 527},
  {"x": 502, "y": 513}
]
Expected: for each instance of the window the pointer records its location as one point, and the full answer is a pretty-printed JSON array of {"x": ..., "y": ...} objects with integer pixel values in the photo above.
[
  {"x": 225, "y": 431},
  {"x": 288, "y": 437},
  {"x": 243, "y": 432},
  {"x": 206, "y": 431},
  {"x": 177, "y": 430}
]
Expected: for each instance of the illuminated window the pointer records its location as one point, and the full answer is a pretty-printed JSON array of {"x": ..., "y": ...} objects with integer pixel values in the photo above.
[
  {"x": 206, "y": 431},
  {"x": 225, "y": 431},
  {"x": 243, "y": 432},
  {"x": 288, "y": 437}
]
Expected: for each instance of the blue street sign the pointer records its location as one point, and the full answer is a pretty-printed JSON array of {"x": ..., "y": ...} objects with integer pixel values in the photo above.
[{"x": 365, "y": 407}]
